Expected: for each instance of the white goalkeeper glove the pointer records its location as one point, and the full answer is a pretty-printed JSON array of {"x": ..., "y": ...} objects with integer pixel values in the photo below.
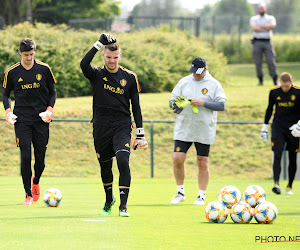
[
  {"x": 296, "y": 129},
  {"x": 47, "y": 115},
  {"x": 10, "y": 116},
  {"x": 140, "y": 140},
  {"x": 104, "y": 39},
  {"x": 264, "y": 135}
]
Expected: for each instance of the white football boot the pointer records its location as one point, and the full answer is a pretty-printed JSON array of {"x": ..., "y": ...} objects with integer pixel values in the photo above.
[
  {"x": 199, "y": 201},
  {"x": 178, "y": 198},
  {"x": 289, "y": 191}
]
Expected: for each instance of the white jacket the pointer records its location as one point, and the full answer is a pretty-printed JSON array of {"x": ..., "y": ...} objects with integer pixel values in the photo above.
[{"x": 201, "y": 127}]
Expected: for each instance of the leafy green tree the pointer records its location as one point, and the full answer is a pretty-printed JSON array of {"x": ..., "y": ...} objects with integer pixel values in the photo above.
[
  {"x": 16, "y": 11},
  {"x": 157, "y": 8},
  {"x": 233, "y": 13},
  {"x": 58, "y": 11},
  {"x": 283, "y": 12}
]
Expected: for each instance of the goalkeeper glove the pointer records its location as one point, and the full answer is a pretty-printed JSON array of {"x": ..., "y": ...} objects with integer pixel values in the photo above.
[
  {"x": 140, "y": 140},
  {"x": 296, "y": 129},
  {"x": 195, "y": 109},
  {"x": 10, "y": 116},
  {"x": 104, "y": 39},
  {"x": 181, "y": 102},
  {"x": 264, "y": 135},
  {"x": 176, "y": 109},
  {"x": 47, "y": 115}
]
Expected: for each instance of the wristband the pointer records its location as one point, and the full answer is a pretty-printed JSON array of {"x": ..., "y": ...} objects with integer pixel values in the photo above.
[
  {"x": 98, "y": 45},
  {"x": 140, "y": 132}
]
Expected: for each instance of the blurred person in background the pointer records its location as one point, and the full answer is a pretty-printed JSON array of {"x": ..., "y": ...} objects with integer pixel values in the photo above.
[
  {"x": 262, "y": 25},
  {"x": 285, "y": 127}
]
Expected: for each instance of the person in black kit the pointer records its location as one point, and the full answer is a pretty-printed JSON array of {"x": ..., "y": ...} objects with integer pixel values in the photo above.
[
  {"x": 32, "y": 82},
  {"x": 113, "y": 88},
  {"x": 286, "y": 99}
]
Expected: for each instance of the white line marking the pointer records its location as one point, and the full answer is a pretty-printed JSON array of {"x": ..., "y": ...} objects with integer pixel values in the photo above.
[{"x": 93, "y": 220}]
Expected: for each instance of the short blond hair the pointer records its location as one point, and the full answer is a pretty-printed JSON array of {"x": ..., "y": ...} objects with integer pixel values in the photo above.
[{"x": 286, "y": 77}]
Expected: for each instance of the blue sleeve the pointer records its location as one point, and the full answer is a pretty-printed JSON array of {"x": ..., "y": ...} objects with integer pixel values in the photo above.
[{"x": 216, "y": 106}]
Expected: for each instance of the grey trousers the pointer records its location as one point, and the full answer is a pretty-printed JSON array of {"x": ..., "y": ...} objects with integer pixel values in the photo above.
[{"x": 266, "y": 48}]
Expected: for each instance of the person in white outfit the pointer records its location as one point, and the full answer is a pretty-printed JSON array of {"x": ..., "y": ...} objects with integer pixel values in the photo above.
[{"x": 196, "y": 99}]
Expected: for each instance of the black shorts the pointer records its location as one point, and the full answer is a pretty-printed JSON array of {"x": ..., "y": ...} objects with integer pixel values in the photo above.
[
  {"x": 280, "y": 137},
  {"x": 181, "y": 146},
  {"x": 36, "y": 132},
  {"x": 110, "y": 138}
]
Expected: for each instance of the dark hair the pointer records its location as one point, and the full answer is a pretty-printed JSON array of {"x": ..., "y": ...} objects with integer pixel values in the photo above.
[
  {"x": 286, "y": 77},
  {"x": 27, "y": 44},
  {"x": 113, "y": 47}
]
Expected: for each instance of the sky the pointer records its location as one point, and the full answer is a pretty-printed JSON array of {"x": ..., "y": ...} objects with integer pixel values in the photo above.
[{"x": 188, "y": 4}]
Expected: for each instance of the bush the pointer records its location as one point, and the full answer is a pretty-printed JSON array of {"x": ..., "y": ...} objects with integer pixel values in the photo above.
[{"x": 158, "y": 57}]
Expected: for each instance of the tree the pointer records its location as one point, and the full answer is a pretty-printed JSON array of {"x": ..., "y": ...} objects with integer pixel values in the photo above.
[
  {"x": 157, "y": 8},
  {"x": 16, "y": 11},
  {"x": 282, "y": 11},
  {"x": 56, "y": 11},
  {"x": 233, "y": 14}
]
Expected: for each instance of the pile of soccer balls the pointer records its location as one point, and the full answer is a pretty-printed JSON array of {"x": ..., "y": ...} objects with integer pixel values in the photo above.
[
  {"x": 52, "y": 197},
  {"x": 254, "y": 205}
]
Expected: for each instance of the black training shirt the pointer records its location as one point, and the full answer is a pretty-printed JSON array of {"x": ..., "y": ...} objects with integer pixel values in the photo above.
[
  {"x": 287, "y": 107},
  {"x": 34, "y": 90},
  {"x": 112, "y": 92}
]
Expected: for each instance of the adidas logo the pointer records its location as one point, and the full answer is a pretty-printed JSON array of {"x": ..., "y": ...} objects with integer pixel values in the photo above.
[
  {"x": 127, "y": 145},
  {"x": 105, "y": 79},
  {"x": 122, "y": 192},
  {"x": 20, "y": 80}
]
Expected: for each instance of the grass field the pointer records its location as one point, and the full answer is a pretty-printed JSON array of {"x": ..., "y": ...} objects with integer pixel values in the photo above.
[
  {"x": 238, "y": 158},
  {"x": 154, "y": 223}
]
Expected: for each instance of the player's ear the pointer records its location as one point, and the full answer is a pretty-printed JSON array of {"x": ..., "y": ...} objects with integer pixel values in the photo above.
[{"x": 20, "y": 52}]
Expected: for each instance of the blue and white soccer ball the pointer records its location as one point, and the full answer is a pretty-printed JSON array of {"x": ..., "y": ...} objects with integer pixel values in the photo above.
[
  {"x": 52, "y": 197},
  {"x": 254, "y": 195},
  {"x": 241, "y": 212},
  {"x": 229, "y": 195},
  {"x": 265, "y": 213},
  {"x": 215, "y": 212}
]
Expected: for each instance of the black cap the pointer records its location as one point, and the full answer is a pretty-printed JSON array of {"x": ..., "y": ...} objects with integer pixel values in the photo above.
[{"x": 198, "y": 65}]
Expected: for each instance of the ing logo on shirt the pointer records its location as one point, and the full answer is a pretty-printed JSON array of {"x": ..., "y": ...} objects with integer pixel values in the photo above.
[
  {"x": 204, "y": 91},
  {"x": 123, "y": 82},
  {"x": 38, "y": 77}
]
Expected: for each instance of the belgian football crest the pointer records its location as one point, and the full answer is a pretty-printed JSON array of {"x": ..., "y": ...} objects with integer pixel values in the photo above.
[
  {"x": 123, "y": 82},
  {"x": 38, "y": 77},
  {"x": 204, "y": 91},
  {"x": 293, "y": 97}
]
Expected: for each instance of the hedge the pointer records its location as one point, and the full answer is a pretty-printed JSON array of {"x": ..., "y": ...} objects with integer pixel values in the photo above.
[{"x": 159, "y": 57}]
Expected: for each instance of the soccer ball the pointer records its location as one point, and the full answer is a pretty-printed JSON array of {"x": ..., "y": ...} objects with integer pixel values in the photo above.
[
  {"x": 265, "y": 213},
  {"x": 271, "y": 205},
  {"x": 216, "y": 212},
  {"x": 229, "y": 195},
  {"x": 241, "y": 212},
  {"x": 52, "y": 197},
  {"x": 254, "y": 195}
]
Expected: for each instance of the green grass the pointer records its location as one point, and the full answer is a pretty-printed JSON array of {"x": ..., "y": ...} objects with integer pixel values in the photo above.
[
  {"x": 154, "y": 223},
  {"x": 238, "y": 148}
]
